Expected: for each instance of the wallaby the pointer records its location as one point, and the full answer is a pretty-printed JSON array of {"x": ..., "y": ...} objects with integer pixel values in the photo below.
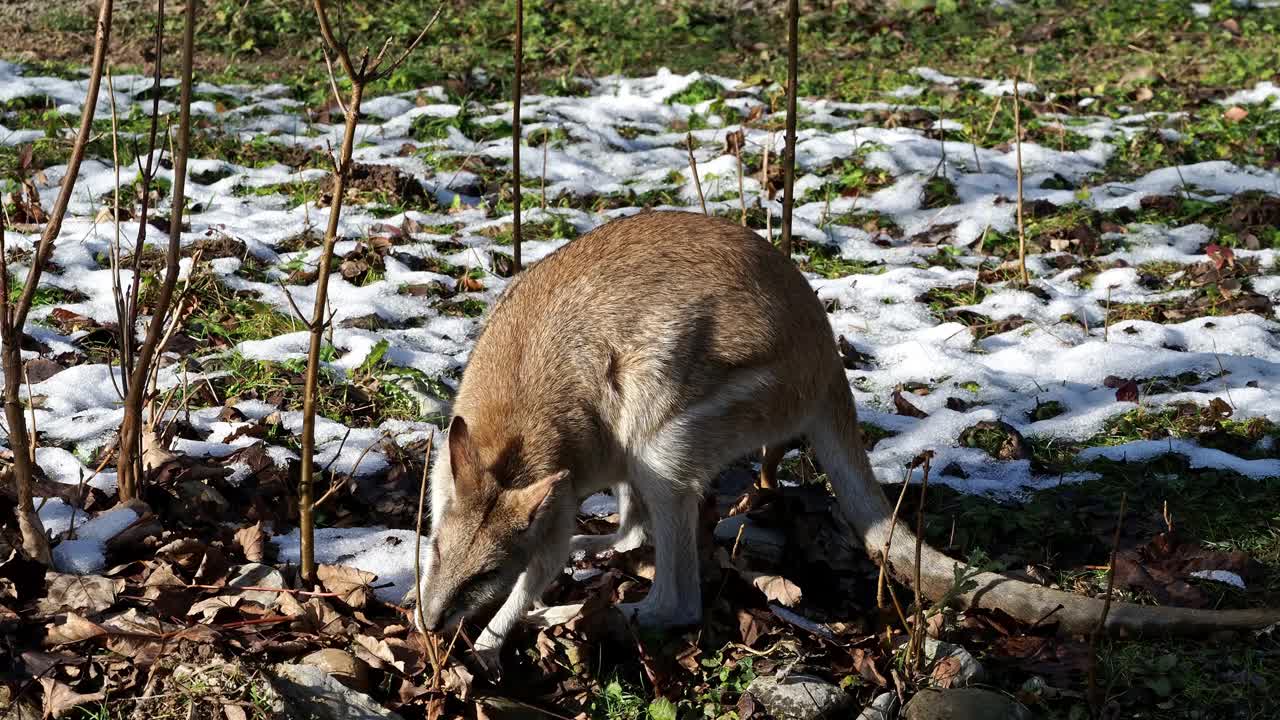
[{"x": 643, "y": 357}]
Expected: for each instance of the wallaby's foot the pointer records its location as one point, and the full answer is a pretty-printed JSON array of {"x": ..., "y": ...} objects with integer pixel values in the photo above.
[
  {"x": 487, "y": 656},
  {"x": 650, "y": 615},
  {"x": 592, "y": 545}
]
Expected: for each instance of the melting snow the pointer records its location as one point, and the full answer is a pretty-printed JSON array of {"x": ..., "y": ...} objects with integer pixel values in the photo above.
[{"x": 622, "y": 137}]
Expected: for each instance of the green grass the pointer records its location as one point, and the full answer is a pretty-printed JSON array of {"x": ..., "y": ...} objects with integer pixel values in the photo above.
[
  {"x": 942, "y": 299},
  {"x": 44, "y": 295},
  {"x": 849, "y": 51},
  {"x": 223, "y": 317},
  {"x": 556, "y": 228},
  {"x": 825, "y": 260},
  {"x": 365, "y": 399}
]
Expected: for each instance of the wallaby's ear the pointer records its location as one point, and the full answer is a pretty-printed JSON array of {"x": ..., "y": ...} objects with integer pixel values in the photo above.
[
  {"x": 461, "y": 457},
  {"x": 532, "y": 501}
]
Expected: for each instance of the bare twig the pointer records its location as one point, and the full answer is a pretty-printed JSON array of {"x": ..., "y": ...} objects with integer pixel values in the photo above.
[
  {"x": 1095, "y": 698},
  {"x": 742, "y": 195},
  {"x": 789, "y": 159},
  {"x": 360, "y": 73},
  {"x": 918, "y": 630},
  {"x": 693, "y": 168},
  {"x": 542, "y": 187},
  {"x": 882, "y": 583},
  {"x": 764, "y": 190},
  {"x": 124, "y": 325},
  {"x": 333, "y": 83},
  {"x": 14, "y": 317},
  {"x": 515, "y": 134},
  {"x": 129, "y": 464},
  {"x": 1106, "y": 327},
  {"x": 417, "y": 534},
  {"x": 1017, "y": 137}
]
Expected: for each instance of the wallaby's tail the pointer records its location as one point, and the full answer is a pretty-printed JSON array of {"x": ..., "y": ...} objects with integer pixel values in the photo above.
[{"x": 839, "y": 447}]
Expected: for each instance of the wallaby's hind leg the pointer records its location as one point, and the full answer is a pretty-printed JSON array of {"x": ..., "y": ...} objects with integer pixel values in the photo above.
[
  {"x": 771, "y": 456},
  {"x": 631, "y": 527},
  {"x": 675, "y": 598},
  {"x": 766, "y": 485}
]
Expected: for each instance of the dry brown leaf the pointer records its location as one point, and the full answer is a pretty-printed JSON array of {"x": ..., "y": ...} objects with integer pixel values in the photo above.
[
  {"x": 776, "y": 588},
  {"x": 257, "y": 575},
  {"x": 289, "y": 606},
  {"x": 351, "y": 585},
  {"x": 904, "y": 407},
  {"x": 865, "y": 663},
  {"x": 74, "y": 629},
  {"x": 136, "y": 636},
  {"x": 750, "y": 628},
  {"x": 934, "y": 625},
  {"x": 456, "y": 680},
  {"x": 319, "y": 617},
  {"x": 210, "y": 607},
  {"x": 252, "y": 541},
  {"x": 234, "y": 712},
  {"x": 59, "y": 697},
  {"x": 154, "y": 452},
  {"x": 945, "y": 672},
  {"x": 376, "y": 652},
  {"x": 1235, "y": 113},
  {"x": 79, "y": 593},
  {"x": 160, "y": 582}
]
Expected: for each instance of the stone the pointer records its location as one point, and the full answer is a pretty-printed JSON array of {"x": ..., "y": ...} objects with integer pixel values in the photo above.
[
  {"x": 964, "y": 704},
  {"x": 884, "y": 707},
  {"x": 964, "y": 669},
  {"x": 503, "y": 709},
  {"x": 800, "y": 697},
  {"x": 757, "y": 543},
  {"x": 347, "y": 668},
  {"x": 312, "y": 692}
]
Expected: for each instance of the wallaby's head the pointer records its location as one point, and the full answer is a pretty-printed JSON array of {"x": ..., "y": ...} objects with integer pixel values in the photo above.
[{"x": 485, "y": 530}]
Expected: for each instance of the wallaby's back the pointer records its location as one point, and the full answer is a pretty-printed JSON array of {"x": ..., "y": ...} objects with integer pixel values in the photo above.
[{"x": 675, "y": 299}]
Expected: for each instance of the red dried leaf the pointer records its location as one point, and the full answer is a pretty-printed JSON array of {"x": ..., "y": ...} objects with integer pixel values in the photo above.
[{"x": 1221, "y": 256}]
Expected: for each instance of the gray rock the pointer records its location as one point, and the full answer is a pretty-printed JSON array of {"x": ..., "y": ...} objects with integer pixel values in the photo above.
[
  {"x": 503, "y": 709},
  {"x": 757, "y": 543},
  {"x": 964, "y": 704},
  {"x": 312, "y": 692},
  {"x": 799, "y": 697},
  {"x": 884, "y": 707},
  {"x": 969, "y": 670}
]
